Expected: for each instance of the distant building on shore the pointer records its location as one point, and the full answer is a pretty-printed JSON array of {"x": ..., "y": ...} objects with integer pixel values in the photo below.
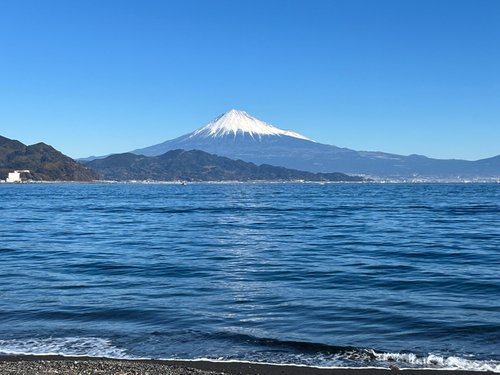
[{"x": 15, "y": 176}]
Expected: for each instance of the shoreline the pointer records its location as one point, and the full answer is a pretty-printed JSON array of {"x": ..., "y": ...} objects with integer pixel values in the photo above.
[
  {"x": 250, "y": 182},
  {"x": 49, "y": 364}
]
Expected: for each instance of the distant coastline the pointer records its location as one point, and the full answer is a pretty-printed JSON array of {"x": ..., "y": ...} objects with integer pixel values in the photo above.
[{"x": 111, "y": 182}]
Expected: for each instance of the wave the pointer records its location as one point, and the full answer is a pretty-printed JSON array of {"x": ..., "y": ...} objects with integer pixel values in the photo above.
[
  {"x": 65, "y": 346},
  {"x": 410, "y": 360},
  {"x": 322, "y": 355},
  {"x": 271, "y": 351}
]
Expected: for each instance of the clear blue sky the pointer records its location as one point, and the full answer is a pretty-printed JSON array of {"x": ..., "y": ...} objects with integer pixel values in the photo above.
[{"x": 401, "y": 76}]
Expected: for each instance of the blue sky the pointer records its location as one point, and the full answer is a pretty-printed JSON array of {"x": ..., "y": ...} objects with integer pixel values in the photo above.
[{"x": 400, "y": 76}]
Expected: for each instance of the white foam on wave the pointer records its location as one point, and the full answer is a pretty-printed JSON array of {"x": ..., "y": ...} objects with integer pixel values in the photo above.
[
  {"x": 438, "y": 362},
  {"x": 369, "y": 360},
  {"x": 65, "y": 346},
  {"x": 100, "y": 347}
]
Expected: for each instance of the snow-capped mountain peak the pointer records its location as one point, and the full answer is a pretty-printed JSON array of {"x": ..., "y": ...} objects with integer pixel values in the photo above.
[{"x": 236, "y": 122}]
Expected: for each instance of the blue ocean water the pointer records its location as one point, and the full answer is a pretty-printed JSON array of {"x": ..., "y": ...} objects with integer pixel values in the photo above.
[{"x": 325, "y": 275}]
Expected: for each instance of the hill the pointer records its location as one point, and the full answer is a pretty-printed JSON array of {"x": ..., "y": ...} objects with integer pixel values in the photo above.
[
  {"x": 198, "y": 165},
  {"x": 44, "y": 162}
]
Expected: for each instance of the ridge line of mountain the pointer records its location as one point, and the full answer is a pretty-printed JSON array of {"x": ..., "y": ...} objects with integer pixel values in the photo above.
[
  {"x": 43, "y": 162},
  {"x": 200, "y": 166}
]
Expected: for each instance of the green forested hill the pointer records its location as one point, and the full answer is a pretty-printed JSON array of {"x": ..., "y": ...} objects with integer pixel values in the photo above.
[
  {"x": 44, "y": 162},
  {"x": 198, "y": 165}
]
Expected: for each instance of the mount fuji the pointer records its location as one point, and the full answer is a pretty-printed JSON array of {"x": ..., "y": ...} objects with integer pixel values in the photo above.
[
  {"x": 237, "y": 135},
  {"x": 234, "y": 134}
]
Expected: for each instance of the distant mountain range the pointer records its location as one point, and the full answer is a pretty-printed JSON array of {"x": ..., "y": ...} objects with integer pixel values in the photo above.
[
  {"x": 195, "y": 165},
  {"x": 237, "y": 135},
  {"x": 43, "y": 161},
  {"x": 282, "y": 155}
]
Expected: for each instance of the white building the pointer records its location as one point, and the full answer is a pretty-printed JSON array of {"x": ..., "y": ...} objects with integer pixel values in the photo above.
[{"x": 15, "y": 176}]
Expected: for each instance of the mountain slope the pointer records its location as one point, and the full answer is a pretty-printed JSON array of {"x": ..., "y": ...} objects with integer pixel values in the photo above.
[
  {"x": 237, "y": 135},
  {"x": 198, "y": 165},
  {"x": 43, "y": 161},
  {"x": 233, "y": 131}
]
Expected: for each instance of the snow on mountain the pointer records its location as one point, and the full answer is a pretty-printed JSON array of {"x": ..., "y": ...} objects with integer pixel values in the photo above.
[{"x": 236, "y": 122}]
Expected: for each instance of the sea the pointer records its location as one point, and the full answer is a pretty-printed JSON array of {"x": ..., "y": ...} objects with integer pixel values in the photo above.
[{"x": 325, "y": 275}]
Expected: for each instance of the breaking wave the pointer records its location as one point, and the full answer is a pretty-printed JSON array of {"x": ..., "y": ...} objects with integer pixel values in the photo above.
[
  {"x": 65, "y": 346},
  {"x": 298, "y": 353},
  {"x": 410, "y": 360}
]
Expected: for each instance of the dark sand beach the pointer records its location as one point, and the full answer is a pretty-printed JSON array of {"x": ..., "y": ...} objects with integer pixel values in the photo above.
[{"x": 37, "y": 365}]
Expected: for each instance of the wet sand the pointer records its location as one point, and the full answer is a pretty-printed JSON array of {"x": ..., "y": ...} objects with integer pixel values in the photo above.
[{"x": 38, "y": 365}]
